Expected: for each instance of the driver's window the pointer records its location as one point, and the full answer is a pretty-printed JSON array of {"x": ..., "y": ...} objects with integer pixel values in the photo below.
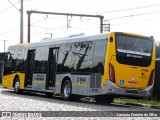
[{"x": 8, "y": 60}]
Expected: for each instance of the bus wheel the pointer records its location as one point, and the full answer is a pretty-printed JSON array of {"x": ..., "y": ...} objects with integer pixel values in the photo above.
[
  {"x": 67, "y": 90},
  {"x": 16, "y": 86},
  {"x": 104, "y": 99}
]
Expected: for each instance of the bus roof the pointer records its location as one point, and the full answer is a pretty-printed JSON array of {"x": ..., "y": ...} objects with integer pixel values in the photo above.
[
  {"x": 71, "y": 39},
  {"x": 68, "y": 40},
  {"x": 55, "y": 41}
]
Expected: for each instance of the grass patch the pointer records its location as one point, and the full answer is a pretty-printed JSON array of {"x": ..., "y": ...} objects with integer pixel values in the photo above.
[
  {"x": 141, "y": 101},
  {"x": 0, "y": 84}
]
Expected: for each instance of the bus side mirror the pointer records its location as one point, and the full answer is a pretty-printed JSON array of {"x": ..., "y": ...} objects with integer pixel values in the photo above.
[{"x": 111, "y": 39}]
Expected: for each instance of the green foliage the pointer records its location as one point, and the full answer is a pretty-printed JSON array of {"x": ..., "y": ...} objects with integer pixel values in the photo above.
[{"x": 141, "y": 101}]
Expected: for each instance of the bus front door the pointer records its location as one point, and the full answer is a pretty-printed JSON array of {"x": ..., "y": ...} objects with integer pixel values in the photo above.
[{"x": 52, "y": 68}]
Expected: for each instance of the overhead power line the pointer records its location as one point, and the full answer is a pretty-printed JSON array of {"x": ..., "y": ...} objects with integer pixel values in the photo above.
[
  {"x": 133, "y": 15},
  {"x": 111, "y": 11},
  {"x": 124, "y": 23},
  {"x": 13, "y": 30},
  {"x": 13, "y": 5},
  {"x": 8, "y": 8},
  {"x": 126, "y": 9},
  {"x": 140, "y": 14}
]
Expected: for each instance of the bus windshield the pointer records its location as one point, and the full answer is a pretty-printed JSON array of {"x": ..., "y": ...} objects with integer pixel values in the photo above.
[{"x": 133, "y": 50}]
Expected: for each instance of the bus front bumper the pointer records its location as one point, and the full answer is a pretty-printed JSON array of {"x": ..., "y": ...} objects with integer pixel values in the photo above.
[{"x": 112, "y": 89}]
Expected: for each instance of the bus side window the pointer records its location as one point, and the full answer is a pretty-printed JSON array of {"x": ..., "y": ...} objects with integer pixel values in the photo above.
[
  {"x": 8, "y": 61},
  {"x": 99, "y": 56},
  {"x": 100, "y": 50}
]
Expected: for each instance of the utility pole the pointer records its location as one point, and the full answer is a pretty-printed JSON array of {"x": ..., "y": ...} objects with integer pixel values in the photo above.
[
  {"x": 21, "y": 22},
  {"x": 4, "y": 45}
]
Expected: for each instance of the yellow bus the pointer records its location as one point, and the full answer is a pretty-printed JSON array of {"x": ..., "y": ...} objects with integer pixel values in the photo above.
[{"x": 102, "y": 66}]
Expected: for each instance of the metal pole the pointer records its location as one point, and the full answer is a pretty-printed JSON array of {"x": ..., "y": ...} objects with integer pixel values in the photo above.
[
  {"x": 68, "y": 21},
  {"x": 101, "y": 24},
  {"x": 29, "y": 22},
  {"x": 4, "y": 45},
  {"x": 21, "y": 23}
]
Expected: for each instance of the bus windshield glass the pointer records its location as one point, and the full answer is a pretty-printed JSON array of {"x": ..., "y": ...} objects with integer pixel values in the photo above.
[{"x": 133, "y": 50}]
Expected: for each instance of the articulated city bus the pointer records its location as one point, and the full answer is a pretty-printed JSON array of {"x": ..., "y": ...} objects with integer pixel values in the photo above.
[{"x": 102, "y": 66}]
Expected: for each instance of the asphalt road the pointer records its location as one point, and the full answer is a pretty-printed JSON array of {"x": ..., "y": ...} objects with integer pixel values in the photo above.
[{"x": 9, "y": 101}]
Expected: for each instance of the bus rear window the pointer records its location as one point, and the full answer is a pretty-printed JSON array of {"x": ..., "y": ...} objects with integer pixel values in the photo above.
[
  {"x": 134, "y": 45},
  {"x": 133, "y": 50}
]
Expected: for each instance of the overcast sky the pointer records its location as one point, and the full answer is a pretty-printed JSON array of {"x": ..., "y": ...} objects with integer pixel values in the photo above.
[{"x": 137, "y": 16}]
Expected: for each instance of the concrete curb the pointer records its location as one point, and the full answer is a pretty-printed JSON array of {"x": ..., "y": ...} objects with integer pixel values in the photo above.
[
  {"x": 155, "y": 106},
  {"x": 139, "y": 104}
]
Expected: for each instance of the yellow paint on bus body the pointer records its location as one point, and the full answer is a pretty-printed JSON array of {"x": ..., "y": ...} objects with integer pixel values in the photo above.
[
  {"x": 135, "y": 77},
  {"x": 8, "y": 80}
]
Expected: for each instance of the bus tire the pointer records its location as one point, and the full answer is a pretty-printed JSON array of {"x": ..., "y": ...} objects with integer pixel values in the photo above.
[
  {"x": 67, "y": 90},
  {"x": 17, "y": 86},
  {"x": 103, "y": 99}
]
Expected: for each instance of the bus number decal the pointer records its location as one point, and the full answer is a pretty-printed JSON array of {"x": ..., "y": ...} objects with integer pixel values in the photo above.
[
  {"x": 144, "y": 70},
  {"x": 81, "y": 80}
]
